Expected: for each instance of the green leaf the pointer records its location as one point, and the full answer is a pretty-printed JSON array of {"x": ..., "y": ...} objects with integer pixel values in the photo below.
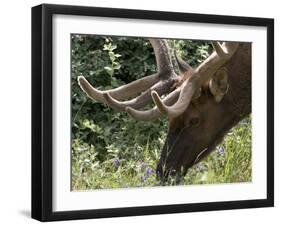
[
  {"x": 111, "y": 56},
  {"x": 109, "y": 70}
]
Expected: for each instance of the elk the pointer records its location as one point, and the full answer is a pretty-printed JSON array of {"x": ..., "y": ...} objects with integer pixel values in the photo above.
[{"x": 202, "y": 104}]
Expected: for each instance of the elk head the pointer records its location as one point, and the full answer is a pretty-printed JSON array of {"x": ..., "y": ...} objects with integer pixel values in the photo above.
[{"x": 193, "y": 102}]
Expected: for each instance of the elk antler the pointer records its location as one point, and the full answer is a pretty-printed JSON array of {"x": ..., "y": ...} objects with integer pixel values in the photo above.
[
  {"x": 200, "y": 76},
  {"x": 162, "y": 82},
  {"x": 156, "y": 85}
]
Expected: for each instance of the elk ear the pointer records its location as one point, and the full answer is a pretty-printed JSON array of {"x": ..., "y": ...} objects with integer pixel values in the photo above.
[{"x": 218, "y": 85}]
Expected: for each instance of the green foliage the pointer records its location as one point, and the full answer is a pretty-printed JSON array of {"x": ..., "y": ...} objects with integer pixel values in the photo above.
[
  {"x": 193, "y": 52},
  {"x": 111, "y": 149}
]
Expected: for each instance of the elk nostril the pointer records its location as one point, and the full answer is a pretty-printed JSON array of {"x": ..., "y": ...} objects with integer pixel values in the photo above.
[{"x": 194, "y": 121}]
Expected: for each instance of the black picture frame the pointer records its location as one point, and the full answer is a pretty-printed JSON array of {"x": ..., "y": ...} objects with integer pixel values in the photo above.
[{"x": 42, "y": 95}]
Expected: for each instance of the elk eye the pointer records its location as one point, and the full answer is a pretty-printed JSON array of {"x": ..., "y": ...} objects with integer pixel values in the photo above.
[{"x": 194, "y": 121}]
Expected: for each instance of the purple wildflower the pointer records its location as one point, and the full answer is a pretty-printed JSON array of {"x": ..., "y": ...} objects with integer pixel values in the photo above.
[
  {"x": 149, "y": 171},
  {"x": 220, "y": 150},
  {"x": 116, "y": 163}
]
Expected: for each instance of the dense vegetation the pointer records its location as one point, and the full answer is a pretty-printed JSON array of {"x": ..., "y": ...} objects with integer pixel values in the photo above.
[{"x": 112, "y": 150}]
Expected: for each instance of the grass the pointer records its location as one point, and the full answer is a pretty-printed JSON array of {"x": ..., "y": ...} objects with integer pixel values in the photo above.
[{"x": 125, "y": 153}]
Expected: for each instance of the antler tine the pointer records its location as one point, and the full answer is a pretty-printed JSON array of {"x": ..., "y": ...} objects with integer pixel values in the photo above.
[
  {"x": 143, "y": 99},
  {"x": 148, "y": 115},
  {"x": 119, "y": 93},
  {"x": 153, "y": 113},
  {"x": 187, "y": 91},
  {"x": 183, "y": 66},
  {"x": 218, "y": 48}
]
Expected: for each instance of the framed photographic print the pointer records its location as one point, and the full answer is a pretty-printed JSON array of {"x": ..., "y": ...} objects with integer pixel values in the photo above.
[{"x": 147, "y": 112}]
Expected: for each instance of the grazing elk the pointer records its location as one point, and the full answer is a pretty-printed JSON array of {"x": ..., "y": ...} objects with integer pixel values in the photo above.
[{"x": 202, "y": 104}]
